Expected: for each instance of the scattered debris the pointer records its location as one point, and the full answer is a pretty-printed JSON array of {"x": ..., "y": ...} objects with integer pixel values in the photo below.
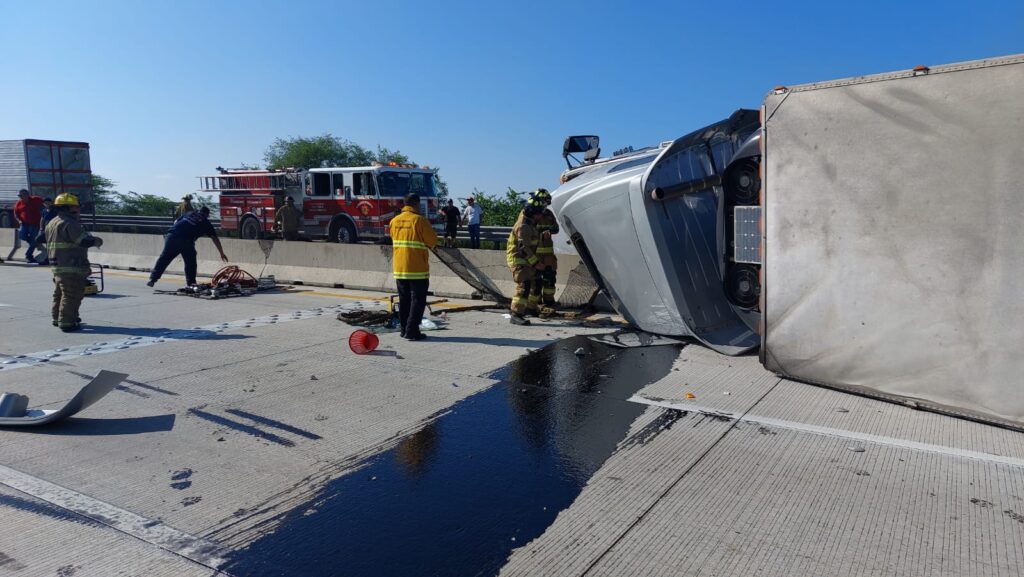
[
  {"x": 579, "y": 352},
  {"x": 14, "y": 409},
  {"x": 726, "y": 393},
  {"x": 229, "y": 281},
  {"x": 842, "y": 410},
  {"x": 188, "y": 501},
  {"x": 856, "y": 449},
  {"x": 313, "y": 378},
  {"x": 981, "y": 502},
  {"x": 690, "y": 396}
]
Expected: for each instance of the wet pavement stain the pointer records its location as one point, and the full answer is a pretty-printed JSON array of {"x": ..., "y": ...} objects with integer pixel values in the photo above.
[
  {"x": 490, "y": 475},
  {"x": 189, "y": 501},
  {"x": 10, "y": 563},
  {"x": 180, "y": 479},
  {"x": 662, "y": 422}
]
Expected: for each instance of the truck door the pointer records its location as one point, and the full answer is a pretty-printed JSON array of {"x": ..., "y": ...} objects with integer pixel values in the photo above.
[
  {"x": 316, "y": 213},
  {"x": 369, "y": 211}
]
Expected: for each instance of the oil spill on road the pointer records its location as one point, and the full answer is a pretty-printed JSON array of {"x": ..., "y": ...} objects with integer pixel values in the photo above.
[{"x": 492, "y": 474}]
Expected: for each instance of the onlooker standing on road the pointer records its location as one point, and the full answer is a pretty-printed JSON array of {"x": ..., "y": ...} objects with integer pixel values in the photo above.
[
  {"x": 28, "y": 211},
  {"x": 181, "y": 240},
  {"x": 287, "y": 220},
  {"x": 68, "y": 245},
  {"x": 452, "y": 216},
  {"x": 49, "y": 213},
  {"x": 471, "y": 216},
  {"x": 184, "y": 208},
  {"x": 412, "y": 238}
]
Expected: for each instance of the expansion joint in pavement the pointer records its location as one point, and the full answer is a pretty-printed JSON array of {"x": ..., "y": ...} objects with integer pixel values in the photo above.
[{"x": 671, "y": 486}]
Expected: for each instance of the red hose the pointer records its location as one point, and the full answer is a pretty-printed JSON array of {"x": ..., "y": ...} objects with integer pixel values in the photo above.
[{"x": 234, "y": 276}]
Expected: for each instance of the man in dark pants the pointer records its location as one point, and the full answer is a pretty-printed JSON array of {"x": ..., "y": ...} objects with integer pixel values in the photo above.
[
  {"x": 412, "y": 239},
  {"x": 451, "y": 226},
  {"x": 181, "y": 240}
]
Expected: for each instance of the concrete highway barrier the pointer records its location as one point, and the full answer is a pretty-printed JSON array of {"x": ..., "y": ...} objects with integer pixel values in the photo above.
[{"x": 357, "y": 266}]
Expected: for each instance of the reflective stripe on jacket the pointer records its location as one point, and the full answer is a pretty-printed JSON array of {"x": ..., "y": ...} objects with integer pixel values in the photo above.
[
  {"x": 546, "y": 249},
  {"x": 64, "y": 236},
  {"x": 412, "y": 237},
  {"x": 522, "y": 244}
]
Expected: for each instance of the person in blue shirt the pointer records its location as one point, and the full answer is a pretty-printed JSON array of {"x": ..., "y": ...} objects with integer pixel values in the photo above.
[{"x": 181, "y": 240}]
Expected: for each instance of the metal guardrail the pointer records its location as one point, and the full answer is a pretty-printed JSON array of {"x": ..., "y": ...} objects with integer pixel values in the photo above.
[{"x": 158, "y": 224}]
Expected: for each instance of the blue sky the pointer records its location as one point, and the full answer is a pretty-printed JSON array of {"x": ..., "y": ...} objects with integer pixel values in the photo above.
[{"x": 487, "y": 91}]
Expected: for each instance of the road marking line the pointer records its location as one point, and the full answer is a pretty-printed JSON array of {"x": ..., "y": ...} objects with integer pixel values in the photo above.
[
  {"x": 65, "y": 354},
  {"x": 149, "y": 530},
  {"x": 830, "y": 432}
]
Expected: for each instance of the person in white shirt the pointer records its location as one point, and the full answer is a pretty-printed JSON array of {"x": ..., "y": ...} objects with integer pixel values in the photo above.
[{"x": 471, "y": 217}]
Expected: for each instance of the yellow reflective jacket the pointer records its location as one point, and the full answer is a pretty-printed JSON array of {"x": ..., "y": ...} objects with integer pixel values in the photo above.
[
  {"x": 64, "y": 237},
  {"x": 412, "y": 237},
  {"x": 521, "y": 249}
]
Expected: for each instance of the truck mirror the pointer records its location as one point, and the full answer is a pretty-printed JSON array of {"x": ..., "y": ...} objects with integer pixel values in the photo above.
[{"x": 589, "y": 145}]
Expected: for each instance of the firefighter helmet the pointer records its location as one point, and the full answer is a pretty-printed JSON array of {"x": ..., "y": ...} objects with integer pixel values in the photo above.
[{"x": 66, "y": 199}]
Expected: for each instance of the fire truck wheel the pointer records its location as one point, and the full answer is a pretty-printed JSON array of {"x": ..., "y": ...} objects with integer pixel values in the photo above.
[
  {"x": 344, "y": 232},
  {"x": 250, "y": 229}
]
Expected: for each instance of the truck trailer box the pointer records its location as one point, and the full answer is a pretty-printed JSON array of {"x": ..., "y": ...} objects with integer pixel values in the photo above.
[
  {"x": 44, "y": 167},
  {"x": 893, "y": 236}
]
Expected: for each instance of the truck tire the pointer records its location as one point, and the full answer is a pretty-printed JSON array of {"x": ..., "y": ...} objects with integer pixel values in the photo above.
[
  {"x": 6, "y": 220},
  {"x": 250, "y": 229},
  {"x": 343, "y": 232}
]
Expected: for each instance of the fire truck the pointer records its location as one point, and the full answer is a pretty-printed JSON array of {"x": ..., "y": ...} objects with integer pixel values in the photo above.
[{"x": 344, "y": 204}]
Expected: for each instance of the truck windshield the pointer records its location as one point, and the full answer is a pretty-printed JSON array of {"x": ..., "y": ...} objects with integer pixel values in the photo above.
[{"x": 399, "y": 184}]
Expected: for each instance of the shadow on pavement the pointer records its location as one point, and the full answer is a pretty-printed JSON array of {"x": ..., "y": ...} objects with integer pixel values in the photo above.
[
  {"x": 497, "y": 342},
  {"x": 158, "y": 332},
  {"x": 94, "y": 427}
]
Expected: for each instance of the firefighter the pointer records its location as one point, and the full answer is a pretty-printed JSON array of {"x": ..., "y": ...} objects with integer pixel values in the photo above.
[
  {"x": 412, "y": 239},
  {"x": 287, "y": 220},
  {"x": 181, "y": 240},
  {"x": 521, "y": 256},
  {"x": 547, "y": 226},
  {"x": 68, "y": 244}
]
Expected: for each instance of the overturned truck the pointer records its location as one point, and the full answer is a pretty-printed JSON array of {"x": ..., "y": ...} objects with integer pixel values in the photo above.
[{"x": 867, "y": 234}]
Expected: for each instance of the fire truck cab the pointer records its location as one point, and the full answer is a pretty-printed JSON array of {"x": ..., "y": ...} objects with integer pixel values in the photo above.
[{"x": 344, "y": 204}]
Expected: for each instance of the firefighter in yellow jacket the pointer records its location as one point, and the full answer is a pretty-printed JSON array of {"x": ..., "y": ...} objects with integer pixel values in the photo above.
[
  {"x": 547, "y": 226},
  {"x": 67, "y": 244},
  {"x": 412, "y": 239},
  {"x": 522, "y": 259}
]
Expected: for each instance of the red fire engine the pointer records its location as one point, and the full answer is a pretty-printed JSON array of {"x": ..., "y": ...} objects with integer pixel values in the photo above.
[{"x": 346, "y": 204}]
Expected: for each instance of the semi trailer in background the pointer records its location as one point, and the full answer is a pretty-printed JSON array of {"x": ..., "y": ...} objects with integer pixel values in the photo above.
[
  {"x": 867, "y": 234},
  {"x": 46, "y": 168}
]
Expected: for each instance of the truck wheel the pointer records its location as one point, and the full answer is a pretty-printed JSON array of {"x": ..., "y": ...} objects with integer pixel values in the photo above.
[
  {"x": 344, "y": 233},
  {"x": 5, "y": 220},
  {"x": 743, "y": 183},
  {"x": 250, "y": 229},
  {"x": 743, "y": 285}
]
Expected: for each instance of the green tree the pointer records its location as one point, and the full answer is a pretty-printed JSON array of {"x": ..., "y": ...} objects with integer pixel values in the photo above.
[
  {"x": 498, "y": 211},
  {"x": 324, "y": 150},
  {"x": 136, "y": 204},
  {"x": 103, "y": 194}
]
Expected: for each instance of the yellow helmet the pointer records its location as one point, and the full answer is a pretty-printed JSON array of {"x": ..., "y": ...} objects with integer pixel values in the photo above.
[{"x": 65, "y": 199}]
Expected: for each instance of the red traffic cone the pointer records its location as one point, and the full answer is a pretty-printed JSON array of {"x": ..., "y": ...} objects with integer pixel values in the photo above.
[{"x": 362, "y": 342}]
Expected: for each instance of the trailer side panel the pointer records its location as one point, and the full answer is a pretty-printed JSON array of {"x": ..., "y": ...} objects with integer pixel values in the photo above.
[{"x": 894, "y": 236}]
